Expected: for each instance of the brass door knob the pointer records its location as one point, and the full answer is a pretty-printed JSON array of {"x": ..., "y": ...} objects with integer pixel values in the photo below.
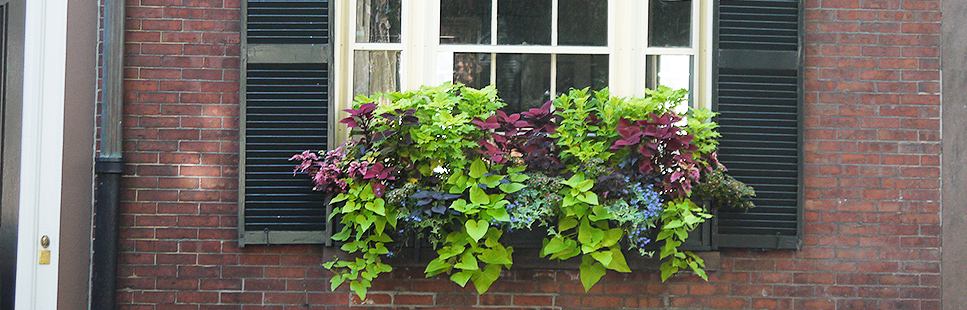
[{"x": 45, "y": 241}]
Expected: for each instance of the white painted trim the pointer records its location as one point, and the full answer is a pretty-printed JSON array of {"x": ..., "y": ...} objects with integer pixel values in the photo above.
[
  {"x": 708, "y": 21},
  {"x": 45, "y": 57}
]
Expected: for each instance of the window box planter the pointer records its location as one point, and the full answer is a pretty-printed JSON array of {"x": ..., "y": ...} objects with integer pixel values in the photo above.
[{"x": 605, "y": 175}]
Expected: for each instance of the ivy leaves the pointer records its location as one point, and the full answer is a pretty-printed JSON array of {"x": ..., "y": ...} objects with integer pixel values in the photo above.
[
  {"x": 680, "y": 216},
  {"x": 474, "y": 253},
  {"x": 366, "y": 215},
  {"x": 584, "y": 229},
  {"x": 465, "y": 258}
]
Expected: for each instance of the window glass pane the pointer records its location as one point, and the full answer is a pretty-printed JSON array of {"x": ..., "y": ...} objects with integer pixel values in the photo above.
[
  {"x": 526, "y": 22},
  {"x": 582, "y": 22},
  {"x": 669, "y": 23},
  {"x": 465, "y": 21},
  {"x": 376, "y": 71},
  {"x": 674, "y": 71},
  {"x": 580, "y": 71},
  {"x": 378, "y": 21},
  {"x": 471, "y": 69},
  {"x": 523, "y": 80}
]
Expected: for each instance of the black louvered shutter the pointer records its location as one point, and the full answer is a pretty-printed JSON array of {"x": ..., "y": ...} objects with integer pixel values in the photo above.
[
  {"x": 757, "y": 89},
  {"x": 285, "y": 83}
]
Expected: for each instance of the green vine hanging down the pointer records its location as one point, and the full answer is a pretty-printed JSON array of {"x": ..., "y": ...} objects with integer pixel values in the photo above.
[{"x": 603, "y": 174}]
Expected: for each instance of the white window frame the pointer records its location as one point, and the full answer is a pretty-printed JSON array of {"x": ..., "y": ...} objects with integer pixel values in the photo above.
[{"x": 424, "y": 61}]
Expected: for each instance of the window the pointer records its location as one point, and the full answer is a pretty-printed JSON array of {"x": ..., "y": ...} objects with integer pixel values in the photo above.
[{"x": 531, "y": 50}]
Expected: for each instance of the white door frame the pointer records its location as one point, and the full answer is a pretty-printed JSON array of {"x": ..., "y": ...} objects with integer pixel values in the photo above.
[{"x": 45, "y": 54}]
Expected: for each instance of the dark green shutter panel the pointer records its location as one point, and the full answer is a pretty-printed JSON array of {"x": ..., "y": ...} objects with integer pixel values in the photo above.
[
  {"x": 285, "y": 85},
  {"x": 757, "y": 89}
]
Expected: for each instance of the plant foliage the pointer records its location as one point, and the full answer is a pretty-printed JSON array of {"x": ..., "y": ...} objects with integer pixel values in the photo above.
[{"x": 602, "y": 173}]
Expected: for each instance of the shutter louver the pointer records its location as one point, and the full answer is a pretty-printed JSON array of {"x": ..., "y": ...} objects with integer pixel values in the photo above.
[
  {"x": 758, "y": 92},
  {"x": 287, "y": 22},
  {"x": 285, "y": 109}
]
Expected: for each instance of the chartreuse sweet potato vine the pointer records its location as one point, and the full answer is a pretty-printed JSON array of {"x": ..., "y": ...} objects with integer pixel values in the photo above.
[{"x": 603, "y": 174}]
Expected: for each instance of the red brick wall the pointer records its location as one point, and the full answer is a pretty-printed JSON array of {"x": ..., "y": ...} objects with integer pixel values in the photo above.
[{"x": 872, "y": 183}]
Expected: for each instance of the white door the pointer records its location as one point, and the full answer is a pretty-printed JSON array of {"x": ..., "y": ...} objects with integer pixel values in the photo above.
[{"x": 45, "y": 54}]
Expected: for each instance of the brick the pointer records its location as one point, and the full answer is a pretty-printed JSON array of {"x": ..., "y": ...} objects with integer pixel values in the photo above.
[{"x": 240, "y": 298}]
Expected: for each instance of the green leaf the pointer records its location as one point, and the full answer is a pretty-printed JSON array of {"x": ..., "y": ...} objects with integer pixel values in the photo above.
[
  {"x": 497, "y": 255},
  {"x": 460, "y": 205},
  {"x": 603, "y": 257},
  {"x": 611, "y": 237},
  {"x": 380, "y": 267},
  {"x": 359, "y": 288},
  {"x": 350, "y": 206},
  {"x": 477, "y": 229},
  {"x": 515, "y": 176},
  {"x": 379, "y": 223},
  {"x": 491, "y": 180},
  {"x": 618, "y": 262},
  {"x": 584, "y": 232},
  {"x": 364, "y": 222},
  {"x": 672, "y": 225},
  {"x": 467, "y": 262},
  {"x": 586, "y": 186},
  {"x": 590, "y": 197},
  {"x": 336, "y": 281},
  {"x": 512, "y": 187},
  {"x": 477, "y": 196},
  {"x": 568, "y": 201},
  {"x": 575, "y": 180},
  {"x": 450, "y": 251},
  {"x": 591, "y": 272},
  {"x": 500, "y": 214},
  {"x": 483, "y": 280},
  {"x": 599, "y": 213},
  {"x": 379, "y": 206},
  {"x": 343, "y": 234},
  {"x": 669, "y": 248},
  {"x": 667, "y": 270},
  {"x": 567, "y": 223},
  {"x": 681, "y": 234},
  {"x": 701, "y": 273},
  {"x": 367, "y": 193},
  {"x": 338, "y": 198},
  {"x": 477, "y": 169},
  {"x": 552, "y": 246},
  {"x": 461, "y": 277},
  {"x": 436, "y": 266},
  {"x": 571, "y": 250}
]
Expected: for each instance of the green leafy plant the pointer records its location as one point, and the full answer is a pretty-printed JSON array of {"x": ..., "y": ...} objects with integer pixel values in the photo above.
[
  {"x": 679, "y": 217},
  {"x": 722, "y": 190},
  {"x": 602, "y": 173}
]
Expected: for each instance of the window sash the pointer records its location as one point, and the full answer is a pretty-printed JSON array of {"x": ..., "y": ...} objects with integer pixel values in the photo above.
[{"x": 425, "y": 61}]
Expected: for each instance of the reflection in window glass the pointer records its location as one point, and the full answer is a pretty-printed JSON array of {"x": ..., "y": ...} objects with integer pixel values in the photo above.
[
  {"x": 674, "y": 71},
  {"x": 378, "y": 21},
  {"x": 669, "y": 23},
  {"x": 465, "y": 21},
  {"x": 525, "y": 22},
  {"x": 582, "y": 22},
  {"x": 376, "y": 71},
  {"x": 523, "y": 80},
  {"x": 471, "y": 69},
  {"x": 580, "y": 71}
]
